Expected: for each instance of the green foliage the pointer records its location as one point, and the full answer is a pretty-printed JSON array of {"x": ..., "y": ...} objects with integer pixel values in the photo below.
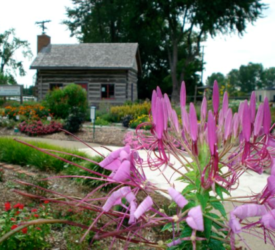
[
  {"x": 9, "y": 46},
  {"x": 60, "y": 101},
  {"x": 7, "y": 79},
  {"x": 17, "y": 153},
  {"x": 168, "y": 33},
  {"x": 135, "y": 110},
  {"x": 240, "y": 82},
  {"x": 75, "y": 119},
  {"x": 140, "y": 119}
]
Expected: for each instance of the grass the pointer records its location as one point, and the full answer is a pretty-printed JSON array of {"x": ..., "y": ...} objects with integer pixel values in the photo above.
[{"x": 13, "y": 152}]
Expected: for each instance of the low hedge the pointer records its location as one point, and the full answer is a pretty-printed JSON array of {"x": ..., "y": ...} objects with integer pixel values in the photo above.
[{"x": 14, "y": 152}]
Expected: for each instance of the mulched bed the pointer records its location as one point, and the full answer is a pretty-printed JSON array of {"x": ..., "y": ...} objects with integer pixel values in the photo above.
[{"x": 105, "y": 135}]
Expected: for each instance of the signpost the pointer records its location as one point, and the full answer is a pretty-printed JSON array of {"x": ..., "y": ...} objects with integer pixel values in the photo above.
[
  {"x": 12, "y": 90},
  {"x": 93, "y": 116}
]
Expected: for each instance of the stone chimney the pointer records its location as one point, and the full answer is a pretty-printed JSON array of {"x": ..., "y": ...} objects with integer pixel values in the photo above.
[{"x": 42, "y": 41}]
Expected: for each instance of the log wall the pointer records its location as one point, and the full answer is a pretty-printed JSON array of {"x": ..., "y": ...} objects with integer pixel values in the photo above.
[{"x": 125, "y": 82}]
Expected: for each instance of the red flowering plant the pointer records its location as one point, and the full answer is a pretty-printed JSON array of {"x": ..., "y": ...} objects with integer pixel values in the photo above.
[
  {"x": 39, "y": 128},
  {"x": 14, "y": 219},
  {"x": 198, "y": 166}
]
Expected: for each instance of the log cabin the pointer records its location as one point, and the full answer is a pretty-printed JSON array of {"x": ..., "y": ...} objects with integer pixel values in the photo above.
[{"x": 107, "y": 71}]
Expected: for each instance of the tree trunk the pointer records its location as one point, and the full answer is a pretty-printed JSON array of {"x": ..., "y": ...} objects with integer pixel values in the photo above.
[{"x": 173, "y": 59}]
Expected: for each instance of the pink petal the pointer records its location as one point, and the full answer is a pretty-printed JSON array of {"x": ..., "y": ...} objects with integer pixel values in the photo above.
[
  {"x": 211, "y": 132},
  {"x": 268, "y": 220},
  {"x": 193, "y": 122},
  {"x": 235, "y": 125},
  {"x": 228, "y": 124},
  {"x": 240, "y": 111},
  {"x": 159, "y": 93},
  {"x": 246, "y": 125},
  {"x": 249, "y": 210},
  {"x": 253, "y": 106},
  {"x": 216, "y": 97},
  {"x": 133, "y": 208},
  {"x": 267, "y": 117},
  {"x": 195, "y": 219},
  {"x": 177, "y": 197},
  {"x": 168, "y": 104},
  {"x": 143, "y": 207},
  {"x": 203, "y": 109},
  {"x": 159, "y": 126},
  {"x": 259, "y": 120},
  {"x": 123, "y": 172},
  {"x": 221, "y": 118},
  {"x": 271, "y": 185},
  {"x": 272, "y": 166},
  {"x": 153, "y": 105},
  {"x": 165, "y": 114},
  {"x": 120, "y": 193},
  {"x": 234, "y": 224},
  {"x": 183, "y": 95},
  {"x": 130, "y": 197},
  {"x": 124, "y": 156},
  {"x": 175, "y": 120},
  {"x": 111, "y": 162},
  {"x": 225, "y": 103},
  {"x": 185, "y": 120},
  {"x": 271, "y": 202}
]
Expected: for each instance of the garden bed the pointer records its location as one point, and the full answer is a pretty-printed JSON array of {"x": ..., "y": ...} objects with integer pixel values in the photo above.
[
  {"x": 61, "y": 237},
  {"x": 105, "y": 135}
]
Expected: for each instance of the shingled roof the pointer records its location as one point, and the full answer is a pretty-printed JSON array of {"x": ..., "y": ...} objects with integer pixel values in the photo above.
[{"x": 88, "y": 56}]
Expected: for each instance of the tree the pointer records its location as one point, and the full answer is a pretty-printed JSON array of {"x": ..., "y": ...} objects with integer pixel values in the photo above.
[
  {"x": 250, "y": 77},
  {"x": 269, "y": 77},
  {"x": 7, "y": 79},
  {"x": 169, "y": 28},
  {"x": 9, "y": 45},
  {"x": 219, "y": 77}
]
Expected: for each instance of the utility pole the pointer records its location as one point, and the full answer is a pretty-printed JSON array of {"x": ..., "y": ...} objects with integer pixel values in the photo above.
[
  {"x": 41, "y": 24},
  {"x": 202, "y": 64}
]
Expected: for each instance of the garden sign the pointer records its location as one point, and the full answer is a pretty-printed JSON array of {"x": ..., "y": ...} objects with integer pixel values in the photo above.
[{"x": 11, "y": 90}]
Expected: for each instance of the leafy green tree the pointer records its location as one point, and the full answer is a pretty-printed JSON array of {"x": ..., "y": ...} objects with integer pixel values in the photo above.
[
  {"x": 9, "y": 45},
  {"x": 216, "y": 76},
  {"x": 169, "y": 32},
  {"x": 7, "y": 79},
  {"x": 269, "y": 77},
  {"x": 233, "y": 82},
  {"x": 250, "y": 77}
]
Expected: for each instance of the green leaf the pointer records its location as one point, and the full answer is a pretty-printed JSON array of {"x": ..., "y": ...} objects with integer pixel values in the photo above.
[
  {"x": 166, "y": 227},
  {"x": 207, "y": 227},
  {"x": 219, "y": 206},
  {"x": 191, "y": 175},
  {"x": 203, "y": 199},
  {"x": 220, "y": 190},
  {"x": 188, "y": 188}
]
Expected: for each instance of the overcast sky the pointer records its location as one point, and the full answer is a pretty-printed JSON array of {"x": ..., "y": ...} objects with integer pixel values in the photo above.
[{"x": 221, "y": 54}]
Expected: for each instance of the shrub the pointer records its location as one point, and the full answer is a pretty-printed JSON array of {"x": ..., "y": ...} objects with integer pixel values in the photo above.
[
  {"x": 74, "y": 120},
  {"x": 135, "y": 110},
  {"x": 60, "y": 101}
]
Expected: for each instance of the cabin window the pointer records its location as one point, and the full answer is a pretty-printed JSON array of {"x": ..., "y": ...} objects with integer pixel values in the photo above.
[
  {"x": 260, "y": 98},
  {"x": 108, "y": 91},
  {"x": 56, "y": 86}
]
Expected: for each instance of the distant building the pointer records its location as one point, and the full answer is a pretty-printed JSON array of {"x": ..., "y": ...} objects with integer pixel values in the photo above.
[
  {"x": 261, "y": 94},
  {"x": 108, "y": 71}
]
